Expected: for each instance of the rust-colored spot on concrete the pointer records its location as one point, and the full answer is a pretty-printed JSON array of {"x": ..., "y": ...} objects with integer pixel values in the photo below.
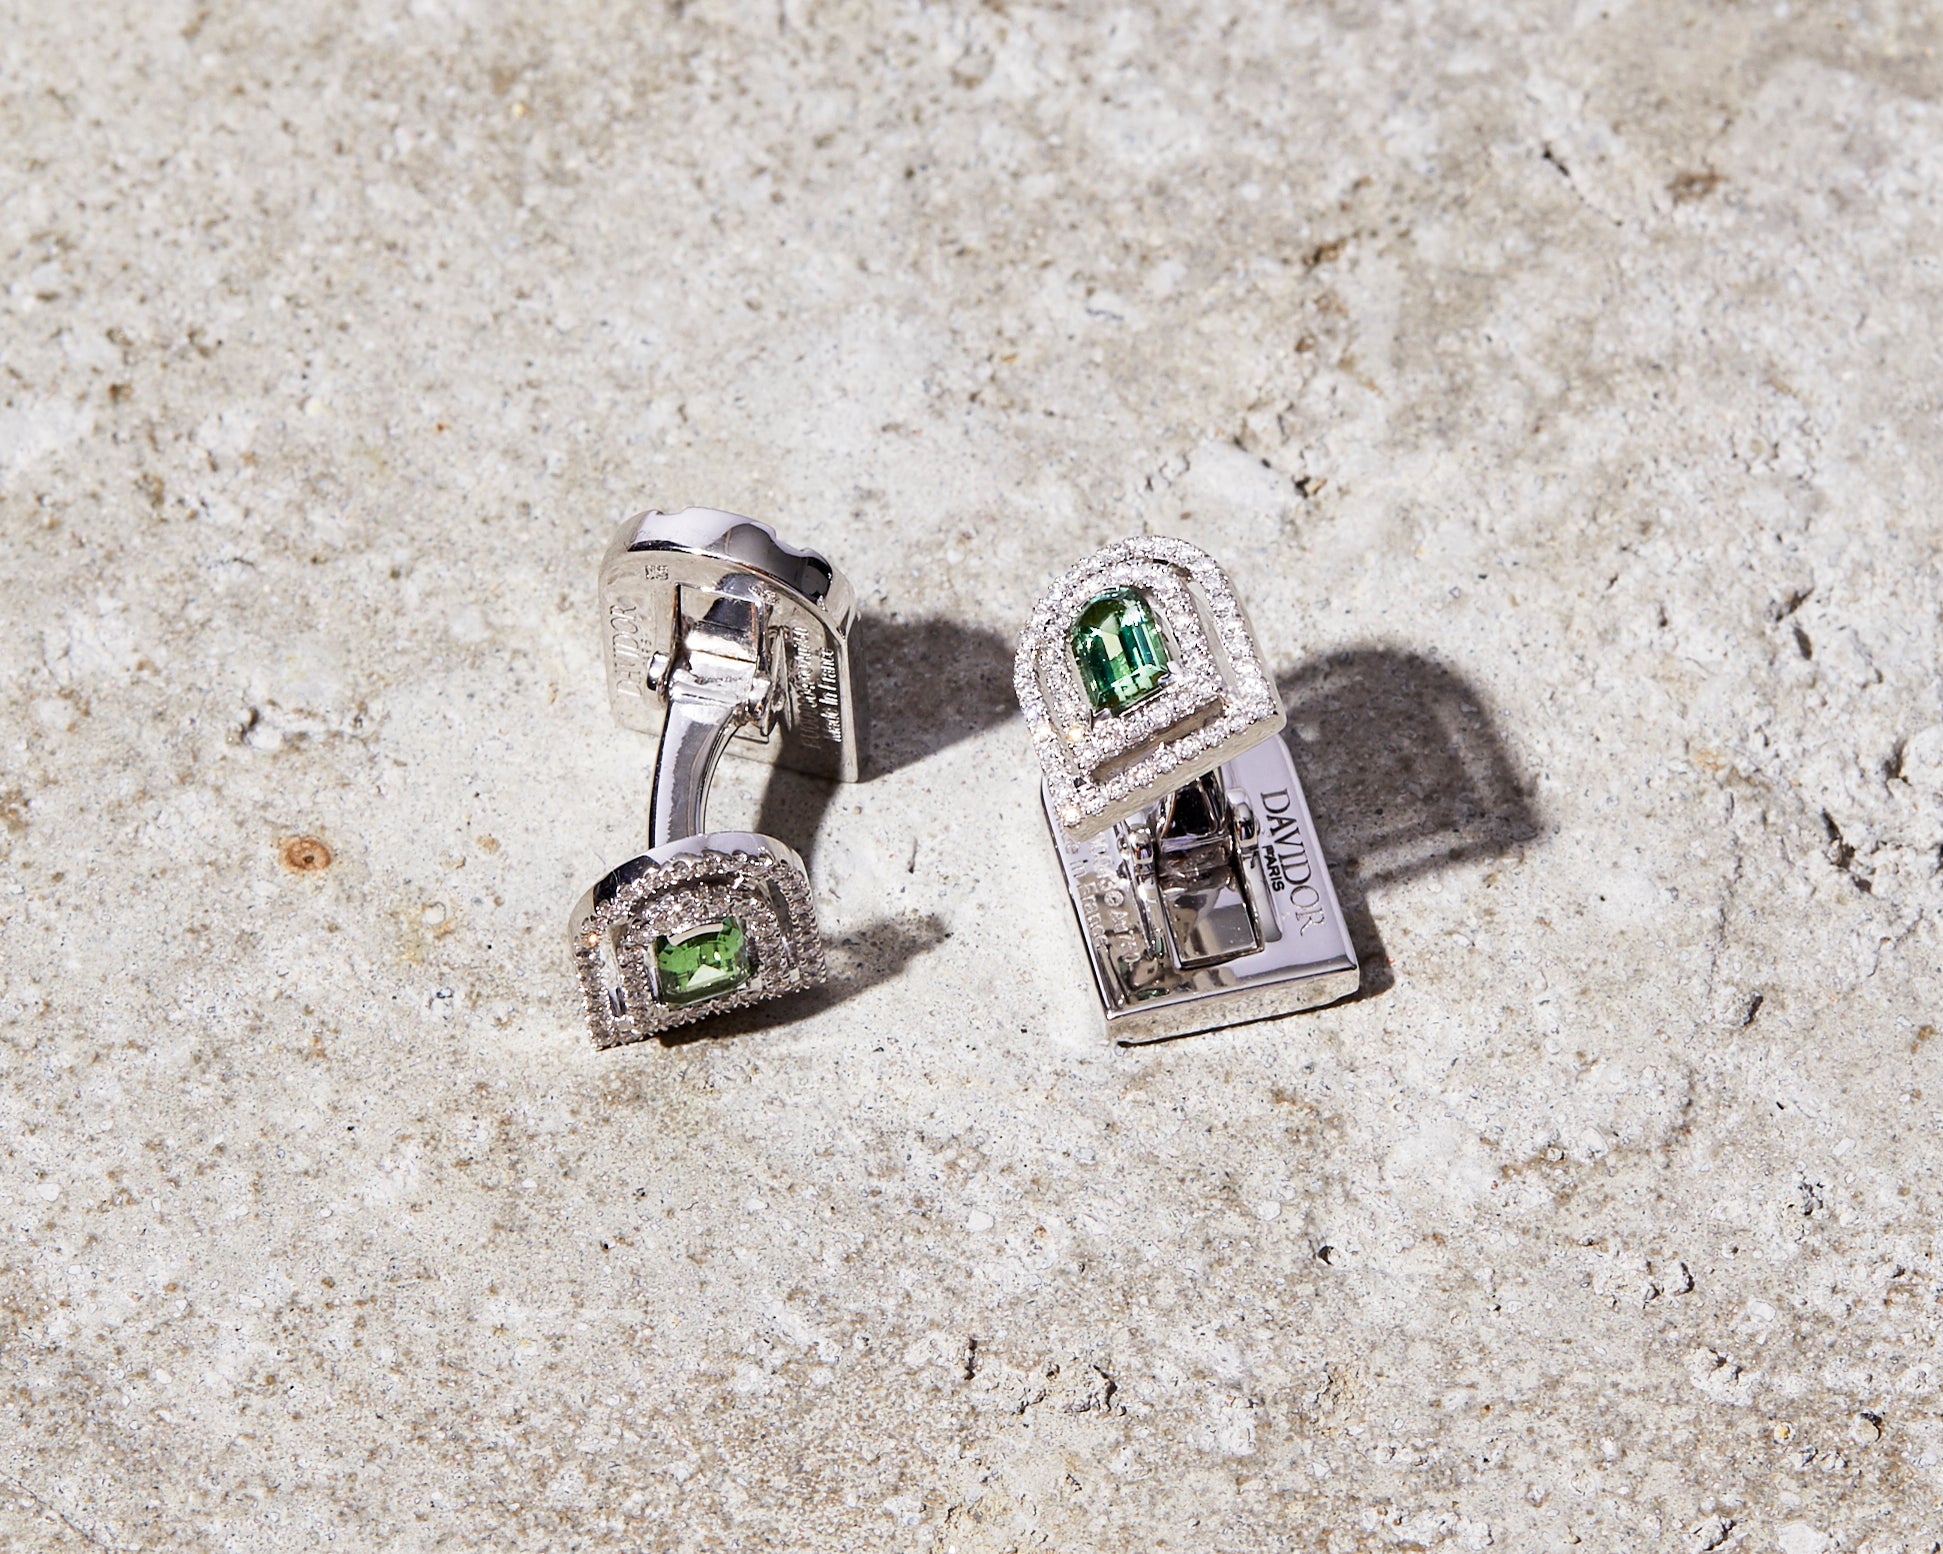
[
  {"x": 304, "y": 855},
  {"x": 1693, "y": 185}
]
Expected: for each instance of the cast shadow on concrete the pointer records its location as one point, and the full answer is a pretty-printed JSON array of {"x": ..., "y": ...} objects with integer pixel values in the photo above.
[
  {"x": 1405, "y": 773},
  {"x": 927, "y": 684},
  {"x": 921, "y": 687},
  {"x": 857, "y": 960}
]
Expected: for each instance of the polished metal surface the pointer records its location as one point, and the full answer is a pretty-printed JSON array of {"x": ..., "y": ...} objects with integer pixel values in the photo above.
[
  {"x": 664, "y": 579},
  {"x": 678, "y": 886},
  {"x": 1213, "y": 908},
  {"x": 694, "y": 733},
  {"x": 1216, "y": 699},
  {"x": 1201, "y": 833},
  {"x": 716, "y": 635},
  {"x": 1185, "y": 842},
  {"x": 720, "y": 680}
]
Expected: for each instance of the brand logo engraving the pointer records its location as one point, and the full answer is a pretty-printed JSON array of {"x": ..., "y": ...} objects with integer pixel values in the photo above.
[
  {"x": 1286, "y": 860},
  {"x": 627, "y": 649}
]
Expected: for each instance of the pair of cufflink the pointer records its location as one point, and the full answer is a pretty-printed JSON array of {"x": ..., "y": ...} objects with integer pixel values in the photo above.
[{"x": 1199, "y": 889}]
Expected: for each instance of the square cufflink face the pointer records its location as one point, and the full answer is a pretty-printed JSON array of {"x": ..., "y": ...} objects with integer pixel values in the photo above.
[
  {"x": 694, "y": 928},
  {"x": 1138, "y": 671}
]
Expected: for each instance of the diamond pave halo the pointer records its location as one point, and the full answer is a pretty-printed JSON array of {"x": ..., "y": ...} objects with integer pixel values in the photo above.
[
  {"x": 1137, "y": 671},
  {"x": 719, "y": 637},
  {"x": 740, "y": 897}
]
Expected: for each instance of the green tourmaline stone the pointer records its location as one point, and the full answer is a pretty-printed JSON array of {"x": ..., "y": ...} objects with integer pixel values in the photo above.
[
  {"x": 702, "y": 964},
  {"x": 1121, "y": 654}
]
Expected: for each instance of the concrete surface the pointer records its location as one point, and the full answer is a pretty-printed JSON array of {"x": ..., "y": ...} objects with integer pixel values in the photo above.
[{"x": 1561, "y": 384}]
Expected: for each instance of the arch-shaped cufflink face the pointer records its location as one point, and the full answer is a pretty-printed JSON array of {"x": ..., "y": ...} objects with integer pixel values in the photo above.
[
  {"x": 1137, "y": 671},
  {"x": 694, "y": 928},
  {"x": 1196, "y": 879}
]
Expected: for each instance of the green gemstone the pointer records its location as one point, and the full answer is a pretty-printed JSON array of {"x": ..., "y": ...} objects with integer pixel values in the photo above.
[
  {"x": 703, "y": 963},
  {"x": 1121, "y": 654}
]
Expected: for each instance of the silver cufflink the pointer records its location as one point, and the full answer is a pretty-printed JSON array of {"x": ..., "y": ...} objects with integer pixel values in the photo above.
[
  {"x": 718, "y": 637},
  {"x": 1188, "y": 851}
]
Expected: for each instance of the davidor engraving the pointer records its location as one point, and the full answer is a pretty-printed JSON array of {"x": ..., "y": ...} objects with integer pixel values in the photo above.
[
  {"x": 627, "y": 649},
  {"x": 1285, "y": 858}
]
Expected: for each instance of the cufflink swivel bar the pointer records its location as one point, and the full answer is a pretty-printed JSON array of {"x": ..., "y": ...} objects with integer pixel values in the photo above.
[
  {"x": 718, "y": 680},
  {"x": 1212, "y": 908},
  {"x": 762, "y": 625}
]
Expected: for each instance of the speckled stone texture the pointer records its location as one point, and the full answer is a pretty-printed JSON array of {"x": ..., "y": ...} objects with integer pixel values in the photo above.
[{"x": 1560, "y": 385}]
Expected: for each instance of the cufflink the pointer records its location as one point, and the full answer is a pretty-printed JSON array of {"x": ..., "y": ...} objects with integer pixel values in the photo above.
[
  {"x": 718, "y": 637},
  {"x": 1180, "y": 824}
]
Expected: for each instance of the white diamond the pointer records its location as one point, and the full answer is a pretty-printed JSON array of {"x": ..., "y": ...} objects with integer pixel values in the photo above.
[{"x": 676, "y": 895}]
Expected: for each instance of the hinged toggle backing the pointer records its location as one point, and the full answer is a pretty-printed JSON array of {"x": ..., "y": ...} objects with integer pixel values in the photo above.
[
  {"x": 752, "y": 616},
  {"x": 1212, "y": 907}
]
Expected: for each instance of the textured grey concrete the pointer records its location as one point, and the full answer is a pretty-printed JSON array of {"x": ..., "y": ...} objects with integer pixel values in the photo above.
[{"x": 1561, "y": 384}]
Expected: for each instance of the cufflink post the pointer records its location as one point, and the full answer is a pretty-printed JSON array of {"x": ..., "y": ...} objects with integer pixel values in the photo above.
[{"x": 718, "y": 637}]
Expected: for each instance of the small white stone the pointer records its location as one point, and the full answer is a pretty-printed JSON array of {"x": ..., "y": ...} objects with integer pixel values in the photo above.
[
  {"x": 1922, "y": 760},
  {"x": 1802, "y": 1538},
  {"x": 978, "y": 1221}
]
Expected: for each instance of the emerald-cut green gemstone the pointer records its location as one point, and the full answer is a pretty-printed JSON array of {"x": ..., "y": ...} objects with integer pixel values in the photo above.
[
  {"x": 1121, "y": 654},
  {"x": 704, "y": 963}
]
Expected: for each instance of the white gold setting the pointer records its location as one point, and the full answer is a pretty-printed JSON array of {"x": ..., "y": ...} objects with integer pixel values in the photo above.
[
  {"x": 718, "y": 635},
  {"x": 1217, "y": 701},
  {"x": 750, "y": 878},
  {"x": 1195, "y": 874}
]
